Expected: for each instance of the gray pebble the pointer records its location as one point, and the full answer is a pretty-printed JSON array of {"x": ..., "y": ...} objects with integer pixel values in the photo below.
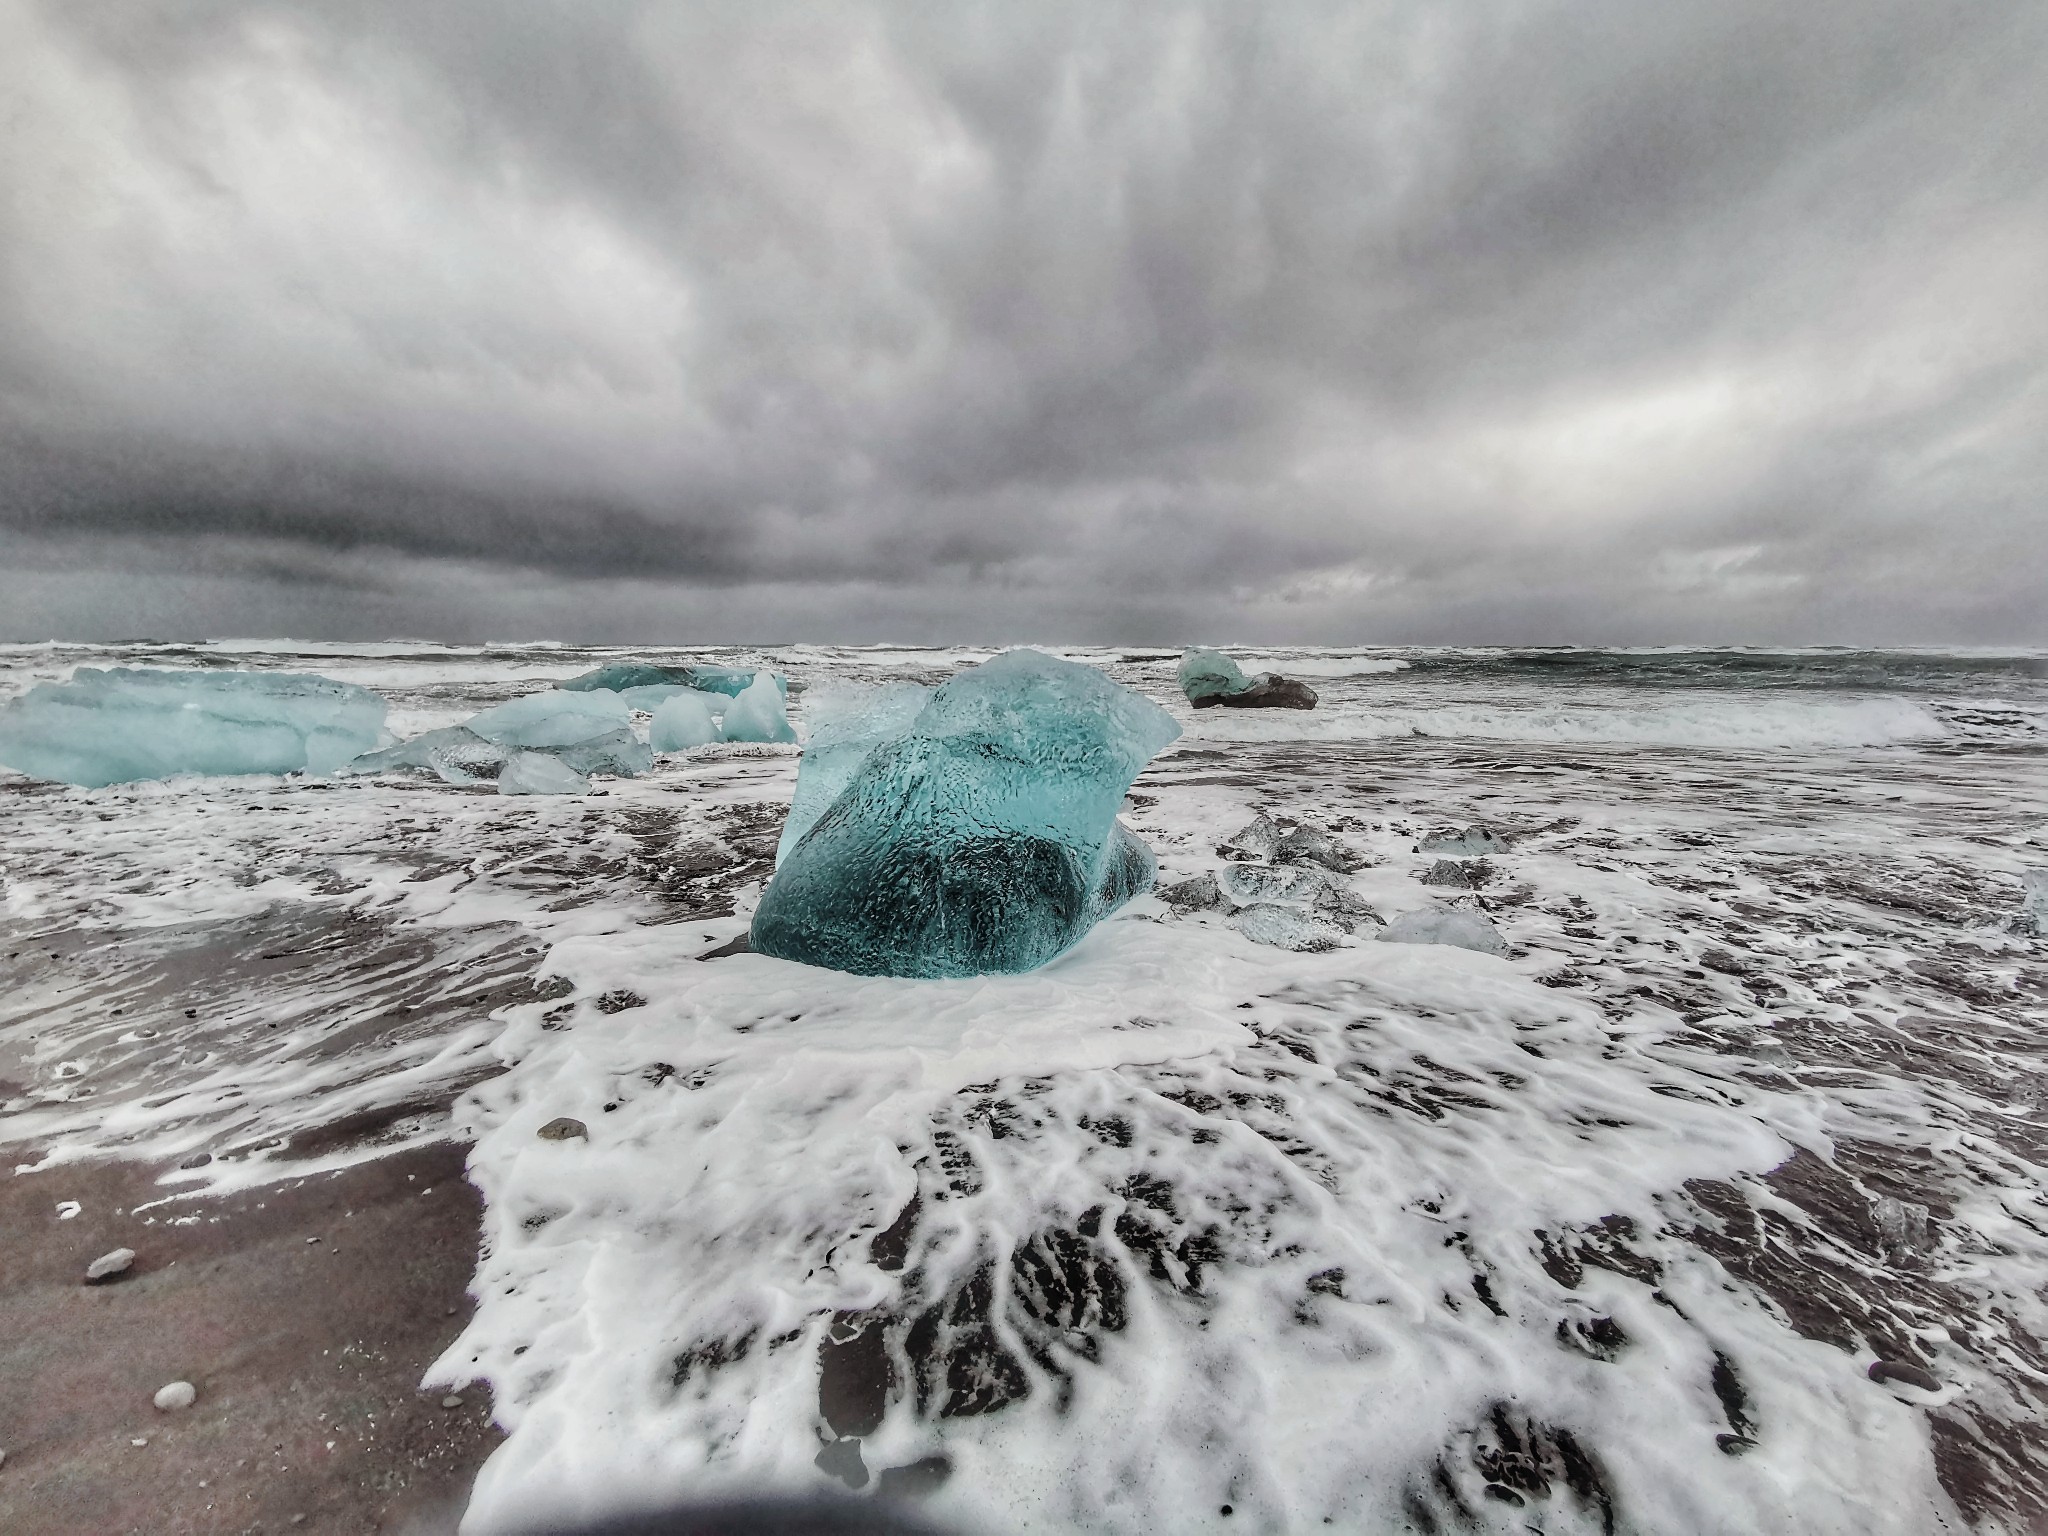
[
  {"x": 109, "y": 1266},
  {"x": 563, "y": 1128}
]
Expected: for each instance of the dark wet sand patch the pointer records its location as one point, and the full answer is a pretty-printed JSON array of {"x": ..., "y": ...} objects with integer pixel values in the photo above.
[{"x": 307, "y": 1355}]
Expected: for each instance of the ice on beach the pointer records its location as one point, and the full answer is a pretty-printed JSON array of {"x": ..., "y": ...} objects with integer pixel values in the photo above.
[
  {"x": 1210, "y": 674},
  {"x": 1472, "y": 843},
  {"x": 619, "y": 752},
  {"x": 681, "y": 722},
  {"x": 1285, "y": 927},
  {"x": 456, "y": 753},
  {"x": 620, "y": 677},
  {"x": 121, "y": 724},
  {"x": 846, "y": 722},
  {"x": 2033, "y": 916},
  {"x": 1457, "y": 926},
  {"x": 553, "y": 719},
  {"x": 539, "y": 773},
  {"x": 757, "y": 714},
  {"x": 981, "y": 839}
]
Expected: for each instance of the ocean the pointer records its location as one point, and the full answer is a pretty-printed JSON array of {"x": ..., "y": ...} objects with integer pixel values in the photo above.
[{"x": 1181, "y": 1232}]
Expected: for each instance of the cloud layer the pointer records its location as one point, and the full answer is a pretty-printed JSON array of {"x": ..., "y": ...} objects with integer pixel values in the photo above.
[{"x": 1352, "y": 322}]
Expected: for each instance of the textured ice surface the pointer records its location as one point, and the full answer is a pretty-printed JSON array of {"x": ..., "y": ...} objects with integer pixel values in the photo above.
[
  {"x": 1285, "y": 927},
  {"x": 756, "y": 713},
  {"x": 2033, "y": 916},
  {"x": 553, "y": 719},
  {"x": 1455, "y": 926},
  {"x": 681, "y": 722},
  {"x": 983, "y": 839},
  {"x": 1473, "y": 842},
  {"x": 455, "y": 752},
  {"x": 845, "y": 723},
  {"x": 125, "y": 723},
  {"x": 619, "y": 752},
  {"x": 1211, "y": 674},
  {"x": 540, "y": 773}
]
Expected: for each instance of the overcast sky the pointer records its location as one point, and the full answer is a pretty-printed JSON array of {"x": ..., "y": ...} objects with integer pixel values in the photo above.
[{"x": 1493, "y": 322}]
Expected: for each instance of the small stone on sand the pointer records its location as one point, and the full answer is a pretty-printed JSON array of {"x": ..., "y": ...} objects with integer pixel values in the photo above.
[
  {"x": 563, "y": 1128},
  {"x": 109, "y": 1266},
  {"x": 175, "y": 1395}
]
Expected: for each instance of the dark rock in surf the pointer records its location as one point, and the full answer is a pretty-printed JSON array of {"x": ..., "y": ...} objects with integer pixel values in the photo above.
[
  {"x": 1267, "y": 691},
  {"x": 1904, "y": 1372}
]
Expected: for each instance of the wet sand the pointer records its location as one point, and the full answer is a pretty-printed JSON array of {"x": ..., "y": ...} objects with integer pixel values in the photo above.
[{"x": 304, "y": 1312}]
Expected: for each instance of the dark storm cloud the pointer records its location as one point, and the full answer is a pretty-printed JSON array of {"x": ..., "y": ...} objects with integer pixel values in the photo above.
[{"x": 1397, "y": 321}]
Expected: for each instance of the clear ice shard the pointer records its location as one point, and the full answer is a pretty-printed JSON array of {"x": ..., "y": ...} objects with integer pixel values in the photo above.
[
  {"x": 120, "y": 724},
  {"x": 1472, "y": 843},
  {"x": 682, "y": 721},
  {"x": 2033, "y": 913},
  {"x": 980, "y": 837},
  {"x": 756, "y": 713},
  {"x": 456, "y": 753},
  {"x": 1456, "y": 926},
  {"x": 1211, "y": 674},
  {"x": 553, "y": 719},
  {"x": 540, "y": 773},
  {"x": 1284, "y": 927}
]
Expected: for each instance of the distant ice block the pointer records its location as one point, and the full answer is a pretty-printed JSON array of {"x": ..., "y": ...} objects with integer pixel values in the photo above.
[
  {"x": 621, "y": 676},
  {"x": 983, "y": 838},
  {"x": 681, "y": 722},
  {"x": 120, "y": 724},
  {"x": 553, "y": 719},
  {"x": 756, "y": 713},
  {"x": 1455, "y": 926},
  {"x": 2033, "y": 914},
  {"x": 539, "y": 773},
  {"x": 845, "y": 723},
  {"x": 1210, "y": 674},
  {"x": 1472, "y": 843}
]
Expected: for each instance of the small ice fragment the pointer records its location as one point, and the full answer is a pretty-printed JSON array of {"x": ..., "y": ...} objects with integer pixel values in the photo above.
[
  {"x": 983, "y": 839},
  {"x": 1254, "y": 841},
  {"x": 1309, "y": 845},
  {"x": 553, "y": 719},
  {"x": 1266, "y": 882},
  {"x": 619, "y": 752},
  {"x": 175, "y": 1395},
  {"x": 1268, "y": 922},
  {"x": 536, "y": 773},
  {"x": 66, "y": 1209},
  {"x": 1458, "y": 874},
  {"x": 456, "y": 753},
  {"x": 109, "y": 1266},
  {"x": 682, "y": 721},
  {"x": 1201, "y": 894},
  {"x": 756, "y": 713},
  {"x": 1901, "y": 1224},
  {"x": 1473, "y": 842},
  {"x": 121, "y": 724},
  {"x": 563, "y": 1128},
  {"x": 451, "y": 1401},
  {"x": 1445, "y": 925},
  {"x": 1337, "y": 899}
]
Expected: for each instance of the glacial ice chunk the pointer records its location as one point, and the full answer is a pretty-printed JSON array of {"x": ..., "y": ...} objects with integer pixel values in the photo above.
[
  {"x": 619, "y": 752},
  {"x": 1473, "y": 842},
  {"x": 846, "y": 722},
  {"x": 1456, "y": 926},
  {"x": 756, "y": 713},
  {"x": 540, "y": 773},
  {"x": 2033, "y": 913},
  {"x": 681, "y": 722},
  {"x": 1210, "y": 674},
  {"x": 983, "y": 838},
  {"x": 115, "y": 725},
  {"x": 1284, "y": 927},
  {"x": 621, "y": 676},
  {"x": 553, "y": 719},
  {"x": 456, "y": 753}
]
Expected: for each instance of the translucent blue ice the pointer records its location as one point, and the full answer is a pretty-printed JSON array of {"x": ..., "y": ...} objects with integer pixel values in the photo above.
[
  {"x": 681, "y": 722},
  {"x": 757, "y": 714},
  {"x": 1211, "y": 674},
  {"x": 456, "y": 753},
  {"x": 845, "y": 724},
  {"x": 540, "y": 773},
  {"x": 623, "y": 675},
  {"x": 982, "y": 838},
  {"x": 553, "y": 719},
  {"x": 125, "y": 723}
]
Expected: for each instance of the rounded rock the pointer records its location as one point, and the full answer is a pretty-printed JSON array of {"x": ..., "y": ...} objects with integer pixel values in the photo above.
[
  {"x": 1905, "y": 1373},
  {"x": 563, "y": 1128},
  {"x": 175, "y": 1395}
]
